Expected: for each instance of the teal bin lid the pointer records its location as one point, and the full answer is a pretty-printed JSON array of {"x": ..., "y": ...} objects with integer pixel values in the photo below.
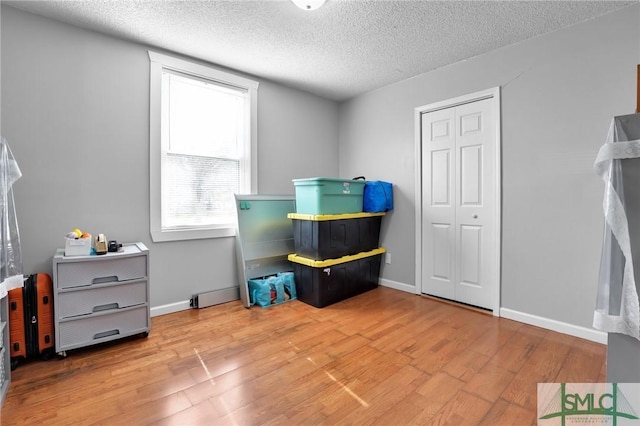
[{"x": 321, "y": 180}]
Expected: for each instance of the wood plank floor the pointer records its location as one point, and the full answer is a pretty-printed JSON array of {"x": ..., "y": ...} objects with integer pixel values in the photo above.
[{"x": 385, "y": 357}]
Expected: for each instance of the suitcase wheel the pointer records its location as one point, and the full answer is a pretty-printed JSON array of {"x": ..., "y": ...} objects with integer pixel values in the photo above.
[
  {"x": 47, "y": 354},
  {"x": 14, "y": 363}
]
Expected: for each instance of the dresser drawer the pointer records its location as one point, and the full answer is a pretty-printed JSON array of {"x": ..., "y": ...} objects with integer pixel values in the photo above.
[
  {"x": 101, "y": 298},
  {"x": 75, "y": 274},
  {"x": 102, "y": 327}
]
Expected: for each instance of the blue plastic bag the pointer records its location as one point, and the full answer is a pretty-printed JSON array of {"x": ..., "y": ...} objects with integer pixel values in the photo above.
[
  {"x": 289, "y": 284},
  {"x": 377, "y": 197},
  {"x": 272, "y": 290},
  {"x": 259, "y": 292},
  {"x": 276, "y": 284}
]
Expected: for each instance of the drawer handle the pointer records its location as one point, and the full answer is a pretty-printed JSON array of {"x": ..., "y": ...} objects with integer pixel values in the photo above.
[
  {"x": 106, "y": 307},
  {"x": 106, "y": 334},
  {"x": 101, "y": 280}
]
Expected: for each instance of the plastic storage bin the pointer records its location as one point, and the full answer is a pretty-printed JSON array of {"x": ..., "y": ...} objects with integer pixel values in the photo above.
[
  {"x": 321, "y": 196},
  {"x": 322, "y": 237},
  {"x": 323, "y": 282}
]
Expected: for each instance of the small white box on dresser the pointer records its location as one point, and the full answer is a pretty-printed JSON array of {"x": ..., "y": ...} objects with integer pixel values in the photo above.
[{"x": 77, "y": 246}]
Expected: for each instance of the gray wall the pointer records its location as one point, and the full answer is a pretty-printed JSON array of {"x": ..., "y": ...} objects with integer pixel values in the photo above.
[
  {"x": 75, "y": 110},
  {"x": 559, "y": 94}
]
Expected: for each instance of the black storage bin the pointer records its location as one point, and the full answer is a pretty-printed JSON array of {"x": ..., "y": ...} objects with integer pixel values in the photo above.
[
  {"x": 322, "y": 237},
  {"x": 322, "y": 283}
]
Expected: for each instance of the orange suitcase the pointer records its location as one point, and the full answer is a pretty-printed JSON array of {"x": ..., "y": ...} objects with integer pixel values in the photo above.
[{"x": 31, "y": 319}]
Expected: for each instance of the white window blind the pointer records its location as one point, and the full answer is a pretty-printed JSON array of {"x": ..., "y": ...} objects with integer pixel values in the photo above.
[
  {"x": 205, "y": 138},
  {"x": 203, "y": 142}
]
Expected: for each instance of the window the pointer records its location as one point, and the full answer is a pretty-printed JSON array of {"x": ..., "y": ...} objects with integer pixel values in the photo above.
[{"x": 202, "y": 148}]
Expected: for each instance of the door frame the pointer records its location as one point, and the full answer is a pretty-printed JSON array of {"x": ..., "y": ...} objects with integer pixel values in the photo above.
[{"x": 494, "y": 95}]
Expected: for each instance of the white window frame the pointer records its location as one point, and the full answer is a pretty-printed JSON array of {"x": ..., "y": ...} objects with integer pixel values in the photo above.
[{"x": 158, "y": 62}]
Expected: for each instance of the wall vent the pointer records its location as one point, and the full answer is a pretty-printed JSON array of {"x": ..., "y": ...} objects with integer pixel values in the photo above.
[{"x": 215, "y": 297}]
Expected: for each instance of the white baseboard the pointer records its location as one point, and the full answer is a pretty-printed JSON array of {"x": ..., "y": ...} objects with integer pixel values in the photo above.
[
  {"x": 546, "y": 323},
  {"x": 398, "y": 286},
  {"x": 170, "y": 308},
  {"x": 558, "y": 326},
  {"x": 184, "y": 305}
]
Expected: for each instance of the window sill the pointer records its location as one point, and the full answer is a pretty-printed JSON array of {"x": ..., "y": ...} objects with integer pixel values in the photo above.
[{"x": 192, "y": 234}]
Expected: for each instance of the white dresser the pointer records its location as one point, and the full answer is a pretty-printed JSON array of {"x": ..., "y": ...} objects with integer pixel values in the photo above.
[{"x": 100, "y": 298}]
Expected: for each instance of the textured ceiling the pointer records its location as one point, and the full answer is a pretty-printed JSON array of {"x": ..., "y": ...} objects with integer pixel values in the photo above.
[{"x": 345, "y": 48}]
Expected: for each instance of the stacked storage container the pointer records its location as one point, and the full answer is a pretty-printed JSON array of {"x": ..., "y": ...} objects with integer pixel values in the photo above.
[{"x": 337, "y": 245}]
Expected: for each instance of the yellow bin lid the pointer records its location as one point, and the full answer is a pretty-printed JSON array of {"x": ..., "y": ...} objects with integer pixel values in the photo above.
[
  {"x": 331, "y": 262},
  {"x": 321, "y": 217}
]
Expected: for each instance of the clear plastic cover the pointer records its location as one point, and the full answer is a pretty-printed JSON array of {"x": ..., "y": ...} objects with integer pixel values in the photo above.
[
  {"x": 617, "y": 306},
  {"x": 10, "y": 253}
]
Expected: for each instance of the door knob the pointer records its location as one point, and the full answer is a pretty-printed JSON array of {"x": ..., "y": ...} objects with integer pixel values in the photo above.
[{"x": 475, "y": 216}]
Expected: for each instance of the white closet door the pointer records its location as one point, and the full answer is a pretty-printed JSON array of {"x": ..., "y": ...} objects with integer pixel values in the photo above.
[
  {"x": 458, "y": 203},
  {"x": 438, "y": 203}
]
